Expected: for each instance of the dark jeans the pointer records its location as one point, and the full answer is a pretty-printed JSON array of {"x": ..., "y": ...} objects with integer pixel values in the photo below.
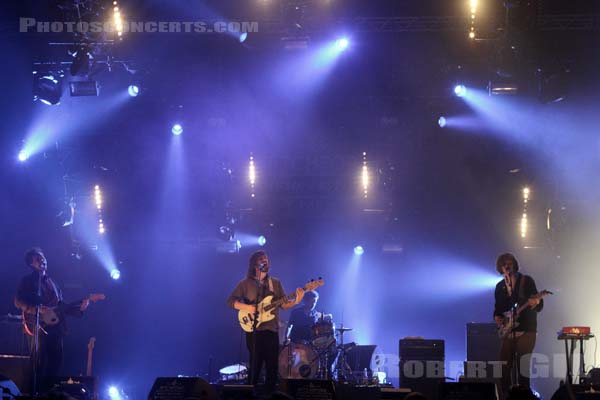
[
  {"x": 265, "y": 350},
  {"x": 524, "y": 346},
  {"x": 50, "y": 352}
]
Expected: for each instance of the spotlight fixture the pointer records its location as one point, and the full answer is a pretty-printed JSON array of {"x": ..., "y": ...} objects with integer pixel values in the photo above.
[
  {"x": 177, "y": 129},
  {"x": 442, "y": 121},
  {"x": 81, "y": 61},
  {"x": 342, "y": 43},
  {"x": 83, "y": 88},
  {"x": 460, "y": 90},
  {"x": 243, "y": 37},
  {"x": 359, "y": 250},
  {"x": 226, "y": 232},
  {"x": 133, "y": 90},
  {"x": 262, "y": 240},
  {"x": 47, "y": 88},
  {"x": 23, "y": 156},
  {"x": 116, "y": 275}
]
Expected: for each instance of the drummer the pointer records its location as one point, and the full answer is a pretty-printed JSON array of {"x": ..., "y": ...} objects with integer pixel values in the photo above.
[{"x": 303, "y": 318}]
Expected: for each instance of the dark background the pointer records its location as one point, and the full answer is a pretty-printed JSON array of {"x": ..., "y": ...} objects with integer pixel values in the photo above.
[{"x": 450, "y": 199}]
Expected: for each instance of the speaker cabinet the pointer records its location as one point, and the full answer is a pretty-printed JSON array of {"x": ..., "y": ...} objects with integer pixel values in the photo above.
[
  {"x": 182, "y": 388},
  {"x": 468, "y": 391}
]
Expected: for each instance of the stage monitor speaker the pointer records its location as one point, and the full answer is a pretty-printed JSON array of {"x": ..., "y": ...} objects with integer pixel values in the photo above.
[
  {"x": 468, "y": 391},
  {"x": 235, "y": 392},
  {"x": 581, "y": 392},
  {"x": 391, "y": 393},
  {"x": 182, "y": 388},
  {"x": 18, "y": 369},
  {"x": 77, "y": 387},
  {"x": 483, "y": 343},
  {"x": 421, "y": 349},
  {"x": 305, "y": 389}
]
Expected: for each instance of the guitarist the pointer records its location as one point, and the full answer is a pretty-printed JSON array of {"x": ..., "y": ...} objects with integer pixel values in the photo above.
[
  {"x": 50, "y": 351},
  {"x": 516, "y": 288},
  {"x": 263, "y": 344}
]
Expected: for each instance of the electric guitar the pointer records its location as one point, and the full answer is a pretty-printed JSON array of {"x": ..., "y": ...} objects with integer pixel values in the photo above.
[
  {"x": 50, "y": 316},
  {"x": 509, "y": 324},
  {"x": 264, "y": 309}
]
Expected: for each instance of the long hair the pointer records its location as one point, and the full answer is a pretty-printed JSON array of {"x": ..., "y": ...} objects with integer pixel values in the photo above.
[
  {"x": 502, "y": 258},
  {"x": 252, "y": 263},
  {"x": 34, "y": 251}
]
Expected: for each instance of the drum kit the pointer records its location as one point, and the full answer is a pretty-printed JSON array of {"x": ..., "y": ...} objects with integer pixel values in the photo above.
[{"x": 319, "y": 358}]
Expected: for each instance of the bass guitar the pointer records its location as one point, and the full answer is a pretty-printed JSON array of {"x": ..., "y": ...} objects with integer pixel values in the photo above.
[
  {"x": 509, "y": 324},
  {"x": 264, "y": 309}
]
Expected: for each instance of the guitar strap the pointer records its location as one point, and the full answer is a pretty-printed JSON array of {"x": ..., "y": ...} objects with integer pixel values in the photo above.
[
  {"x": 55, "y": 289},
  {"x": 271, "y": 286}
]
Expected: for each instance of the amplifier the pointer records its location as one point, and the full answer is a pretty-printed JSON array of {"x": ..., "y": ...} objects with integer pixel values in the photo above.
[
  {"x": 421, "y": 349},
  {"x": 483, "y": 343}
]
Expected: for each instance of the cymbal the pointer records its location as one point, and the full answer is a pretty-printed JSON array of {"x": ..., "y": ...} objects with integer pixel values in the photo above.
[{"x": 343, "y": 329}]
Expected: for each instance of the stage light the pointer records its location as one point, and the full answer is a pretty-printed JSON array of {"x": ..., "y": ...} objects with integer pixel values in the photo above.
[
  {"x": 262, "y": 240},
  {"x": 177, "y": 129},
  {"x": 524, "y": 225},
  {"x": 252, "y": 175},
  {"x": 116, "y": 275},
  {"x": 133, "y": 90},
  {"x": 83, "y": 88},
  {"x": 23, "y": 156},
  {"x": 473, "y": 9},
  {"x": 82, "y": 61},
  {"x": 117, "y": 19},
  {"x": 98, "y": 201},
  {"x": 525, "y": 194},
  {"x": 47, "y": 89},
  {"x": 243, "y": 37},
  {"x": 226, "y": 232},
  {"x": 442, "y": 122},
  {"x": 365, "y": 176},
  {"x": 342, "y": 43},
  {"x": 358, "y": 250},
  {"x": 460, "y": 90}
]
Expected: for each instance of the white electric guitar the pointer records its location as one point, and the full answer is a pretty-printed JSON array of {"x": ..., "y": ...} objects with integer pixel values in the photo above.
[
  {"x": 264, "y": 309},
  {"x": 509, "y": 324}
]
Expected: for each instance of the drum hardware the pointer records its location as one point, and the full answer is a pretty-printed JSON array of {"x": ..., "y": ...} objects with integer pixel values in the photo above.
[
  {"x": 341, "y": 366},
  {"x": 234, "y": 373}
]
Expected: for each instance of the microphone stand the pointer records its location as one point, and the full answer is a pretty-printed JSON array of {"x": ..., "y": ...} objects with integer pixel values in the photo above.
[
  {"x": 259, "y": 284},
  {"x": 515, "y": 364},
  {"x": 36, "y": 335}
]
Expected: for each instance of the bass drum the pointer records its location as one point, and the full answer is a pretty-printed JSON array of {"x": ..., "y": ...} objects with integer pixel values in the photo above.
[{"x": 298, "y": 361}]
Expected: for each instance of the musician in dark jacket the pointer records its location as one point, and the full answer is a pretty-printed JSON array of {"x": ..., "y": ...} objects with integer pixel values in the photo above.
[
  {"x": 38, "y": 289},
  {"x": 250, "y": 291},
  {"x": 516, "y": 289}
]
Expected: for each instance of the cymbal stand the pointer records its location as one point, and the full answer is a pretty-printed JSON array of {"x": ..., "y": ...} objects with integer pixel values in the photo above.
[{"x": 341, "y": 366}]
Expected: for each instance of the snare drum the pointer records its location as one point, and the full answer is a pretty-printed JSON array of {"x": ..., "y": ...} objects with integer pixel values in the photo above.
[
  {"x": 323, "y": 333},
  {"x": 235, "y": 372},
  {"x": 298, "y": 361}
]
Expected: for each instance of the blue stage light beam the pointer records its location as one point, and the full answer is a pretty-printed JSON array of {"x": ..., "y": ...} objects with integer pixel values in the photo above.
[
  {"x": 359, "y": 250},
  {"x": 442, "y": 121}
]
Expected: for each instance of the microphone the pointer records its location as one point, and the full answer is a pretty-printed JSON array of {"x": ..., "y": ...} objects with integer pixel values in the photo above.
[{"x": 263, "y": 266}]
